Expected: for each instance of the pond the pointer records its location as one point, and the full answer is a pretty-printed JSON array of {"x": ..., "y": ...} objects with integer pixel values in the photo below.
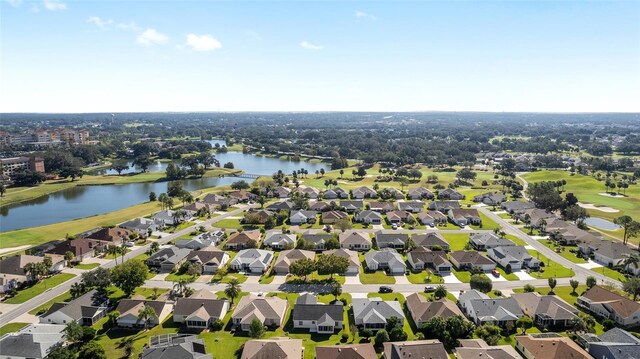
[
  {"x": 601, "y": 223},
  {"x": 85, "y": 201}
]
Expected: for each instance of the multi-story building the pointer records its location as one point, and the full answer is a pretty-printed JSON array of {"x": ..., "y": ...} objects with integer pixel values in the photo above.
[{"x": 10, "y": 166}]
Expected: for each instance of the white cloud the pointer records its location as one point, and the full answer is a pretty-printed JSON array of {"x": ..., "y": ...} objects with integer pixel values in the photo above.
[
  {"x": 309, "y": 46},
  {"x": 101, "y": 23},
  {"x": 54, "y": 5},
  {"x": 130, "y": 26},
  {"x": 362, "y": 14},
  {"x": 151, "y": 37},
  {"x": 203, "y": 42},
  {"x": 14, "y": 3}
]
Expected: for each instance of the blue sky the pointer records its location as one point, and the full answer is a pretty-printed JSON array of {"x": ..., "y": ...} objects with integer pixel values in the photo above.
[{"x": 112, "y": 56}]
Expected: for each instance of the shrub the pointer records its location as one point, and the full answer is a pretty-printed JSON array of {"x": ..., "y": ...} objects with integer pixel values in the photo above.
[{"x": 217, "y": 325}]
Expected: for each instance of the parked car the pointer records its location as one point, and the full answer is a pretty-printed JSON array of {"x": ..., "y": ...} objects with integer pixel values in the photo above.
[
  {"x": 429, "y": 289},
  {"x": 385, "y": 289},
  {"x": 128, "y": 244},
  {"x": 495, "y": 273},
  {"x": 394, "y": 226}
]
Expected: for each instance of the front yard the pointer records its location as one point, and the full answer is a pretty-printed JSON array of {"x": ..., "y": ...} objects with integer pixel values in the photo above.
[
  {"x": 551, "y": 268},
  {"x": 39, "y": 288},
  {"x": 377, "y": 277}
]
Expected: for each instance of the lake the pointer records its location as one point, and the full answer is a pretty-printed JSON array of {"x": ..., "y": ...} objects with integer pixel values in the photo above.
[
  {"x": 601, "y": 223},
  {"x": 85, "y": 201}
]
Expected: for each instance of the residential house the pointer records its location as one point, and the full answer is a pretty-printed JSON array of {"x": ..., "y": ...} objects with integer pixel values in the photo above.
[
  {"x": 432, "y": 218},
  {"x": 517, "y": 206},
  {"x": 490, "y": 198},
  {"x": 352, "y": 257},
  {"x": 130, "y": 309},
  {"x": 242, "y": 240},
  {"x": 111, "y": 236},
  {"x": 394, "y": 192},
  {"x": 352, "y": 206},
  {"x": 168, "y": 259},
  {"x": 243, "y": 196},
  {"x": 496, "y": 311},
  {"x": 272, "y": 348},
  {"x": 513, "y": 258},
  {"x": 192, "y": 209},
  {"x": 537, "y": 217},
  {"x": 315, "y": 241},
  {"x": 382, "y": 207},
  {"x": 411, "y": 206},
  {"x": 164, "y": 218},
  {"x": 363, "y": 192},
  {"x": 443, "y": 206},
  {"x": 183, "y": 347},
  {"x": 369, "y": 217},
  {"x": 211, "y": 259},
  {"x": 319, "y": 206},
  {"x": 372, "y": 313},
  {"x": 422, "y": 257},
  {"x": 335, "y": 193},
  {"x": 357, "y": 241},
  {"x": 422, "y": 310},
  {"x": 615, "y": 343},
  {"x": 431, "y": 240},
  {"x": 317, "y": 317},
  {"x": 200, "y": 310},
  {"x": 142, "y": 226},
  {"x": 391, "y": 240},
  {"x": 287, "y": 257},
  {"x": 280, "y": 206},
  {"x": 467, "y": 260},
  {"x": 606, "y": 304},
  {"x": 419, "y": 193},
  {"x": 82, "y": 248},
  {"x": 432, "y": 349},
  {"x": 479, "y": 349},
  {"x": 610, "y": 254},
  {"x": 348, "y": 351},
  {"x": 544, "y": 346},
  {"x": 387, "y": 259},
  {"x": 86, "y": 309},
  {"x": 487, "y": 240},
  {"x": 450, "y": 194},
  {"x": 546, "y": 310},
  {"x": 219, "y": 201},
  {"x": 270, "y": 311},
  {"x": 202, "y": 240},
  {"x": 275, "y": 240},
  {"x": 252, "y": 260},
  {"x": 465, "y": 217},
  {"x": 34, "y": 341},
  {"x": 260, "y": 216},
  {"x": 12, "y": 271},
  {"x": 397, "y": 217},
  {"x": 300, "y": 217},
  {"x": 467, "y": 296},
  {"x": 309, "y": 192},
  {"x": 331, "y": 217},
  {"x": 282, "y": 192}
]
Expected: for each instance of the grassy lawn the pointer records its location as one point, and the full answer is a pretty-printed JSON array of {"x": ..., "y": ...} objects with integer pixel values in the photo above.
[
  {"x": 377, "y": 277},
  {"x": 563, "y": 251},
  {"x": 515, "y": 240},
  {"x": 421, "y": 278},
  {"x": 225, "y": 279},
  {"x": 42, "y": 234},
  {"x": 457, "y": 241},
  {"x": 317, "y": 277},
  {"x": 39, "y": 288},
  {"x": 229, "y": 223},
  {"x": 551, "y": 268},
  {"x": 611, "y": 273},
  {"x": 64, "y": 297},
  {"x": 87, "y": 266},
  {"x": 504, "y": 215},
  {"x": 463, "y": 276},
  {"x": 487, "y": 223},
  {"x": 510, "y": 276},
  {"x": 149, "y": 293},
  {"x": 11, "y": 328},
  {"x": 564, "y": 292},
  {"x": 174, "y": 277}
]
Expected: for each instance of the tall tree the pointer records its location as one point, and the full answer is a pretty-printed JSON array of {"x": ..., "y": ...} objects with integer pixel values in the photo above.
[
  {"x": 233, "y": 289},
  {"x": 129, "y": 275}
]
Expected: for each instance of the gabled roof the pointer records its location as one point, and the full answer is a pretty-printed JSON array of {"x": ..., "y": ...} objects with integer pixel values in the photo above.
[
  {"x": 623, "y": 306},
  {"x": 352, "y": 256},
  {"x": 78, "y": 246},
  {"x": 272, "y": 348},
  {"x": 613, "y": 250},
  {"x": 304, "y": 213},
  {"x": 489, "y": 239},
  {"x": 171, "y": 254},
  {"x": 387, "y": 256},
  {"x": 354, "y": 237},
  {"x": 511, "y": 253},
  {"x": 554, "y": 347},
  {"x": 206, "y": 307},
  {"x": 410, "y": 205},
  {"x": 316, "y": 238},
  {"x": 472, "y": 257},
  {"x": 391, "y": 238},
  {"x": 253, "y": 307},
  {"x": 86, "y": 303},
  {"x": 465, "y": 213},
  {"x": 368, "y": 214},
  {"x": 422, "y": 309},
  {"x": 550, "y": 306},
  {"x": 253, "y": 256},
  {"x": 133, "y": 306},
  {"x": 334, "y": 215},
  {"x": 318, "y": 311},
  {"x": 210, "y": 256},
  {"x": 495, "y": 309},
  {"x": 279, "y": 238},
  {"x": 193, "y": 349},
  {"x": 431, "y": 349},
  {"x": 15, "y": 264},
  {"x": 351, "y": 351},
  {"x": 373, "y": 310},
  {"x": 430, "y": 239},
  {"x": 244, "y": 237},
  {"x": 425, "y": 255},
  {"x": 110, "y": 234},
  {"x": 34, "y": 341},
  {"x": 289, "y": 256}
]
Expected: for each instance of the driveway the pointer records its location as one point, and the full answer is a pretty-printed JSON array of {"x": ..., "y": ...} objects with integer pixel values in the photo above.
[
  {"x": 352, "y": 279},
  {"x": 522, "y": 275},
  {"x": 451, "y": 278},
  {"x": 590, "y": 264},
  {"x": 160, "y": 276},
  {"x": 253, "y": 279},
  {"x": 401, "y": 279},
  {"x": 279, "y": 279},
  {"x": 205, "y": 278},
  {"x": 499, "y": 279}
]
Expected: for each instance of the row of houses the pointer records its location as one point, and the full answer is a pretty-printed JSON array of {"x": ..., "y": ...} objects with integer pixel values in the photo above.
[{"x": 363, "y": 192}]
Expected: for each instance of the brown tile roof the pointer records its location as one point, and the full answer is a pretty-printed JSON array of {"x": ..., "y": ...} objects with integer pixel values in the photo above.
[
  {"x": 621, "y": 304},
  {"x": 352, "y": 351},
  {"x": 15, "y": 264},
  {"x": 77, "y": 246},
  {"x": 552, "y": 348},
  {"x": 431, "y": 349},
  {"x": 473, "y": 257},
  {"x": 422, "y": 310},
  {"x": 244, "y": 237},
  {"x": 110, "y": 234},
  {"x": 273, "y": 348}
]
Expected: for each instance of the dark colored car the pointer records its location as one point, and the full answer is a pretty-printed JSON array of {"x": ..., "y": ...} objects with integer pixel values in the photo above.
[
  {"x": 385, "y": 289},
  {"x": 429, "y": 289}
]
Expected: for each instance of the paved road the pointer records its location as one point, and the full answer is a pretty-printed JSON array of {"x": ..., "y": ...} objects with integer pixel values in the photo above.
[{"x": 9, "y": 315}]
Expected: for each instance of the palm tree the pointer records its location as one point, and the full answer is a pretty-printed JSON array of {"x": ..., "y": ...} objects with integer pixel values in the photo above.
[
  {"x": 76, "y": 290},
  {"x": 631, "y": 259},
  {"x": 181, "y": 286},
  {"x": 113, "y": 250},
  {"x": 162, "y": 198},
  {"x": 145, "y": 314},
  {"x": 441, "y": 292},
  {"x": 233, "y": 289}
]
